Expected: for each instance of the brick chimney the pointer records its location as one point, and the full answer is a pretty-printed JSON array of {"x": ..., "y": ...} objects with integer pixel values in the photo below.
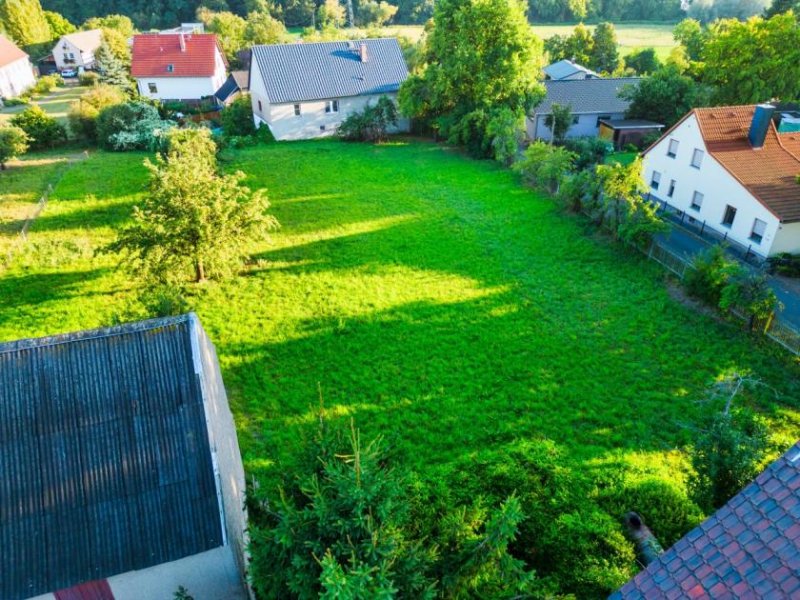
[
  {"x": 182, "y": 42},
  {"x": 362, "y": 52}
]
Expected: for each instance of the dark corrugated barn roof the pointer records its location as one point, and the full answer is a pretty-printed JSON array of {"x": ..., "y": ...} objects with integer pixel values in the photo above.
[
  {"x": 105, "y": 456},
  {"x": 302, "y": 72}
]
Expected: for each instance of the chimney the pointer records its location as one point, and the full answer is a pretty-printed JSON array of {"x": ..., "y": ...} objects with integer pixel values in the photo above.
[
  {"x": 362, "y": 52},
  {"x": 760, "y": 125},
  {"x": 182, "y": 42}
]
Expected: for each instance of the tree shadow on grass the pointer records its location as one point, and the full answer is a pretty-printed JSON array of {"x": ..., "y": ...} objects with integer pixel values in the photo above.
[{"x": 18, "y": 290}]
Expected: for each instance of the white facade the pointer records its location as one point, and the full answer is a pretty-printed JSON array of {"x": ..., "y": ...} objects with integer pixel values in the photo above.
[
  {"x": 719, "y": 190},
  {"x": 317, "y": 118},
  {"x": 583, "y": 125},
  {"x": 71, "y": 55},
  {"x": 184, "y": 88},
  {"x": 16, "y": 77}
]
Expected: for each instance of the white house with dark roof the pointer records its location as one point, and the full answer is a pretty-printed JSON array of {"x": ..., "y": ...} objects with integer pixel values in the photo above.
[
  {"x": 591, "y": 101},
  {"x": 567, "y": 69},
  {"x": 16, "y": 72},
  {"x": 304, "y": 91},
  {"x": 730, "y": 170},
  {"x": 121, "y": 473},
  {"x": 77, "y": 50}
]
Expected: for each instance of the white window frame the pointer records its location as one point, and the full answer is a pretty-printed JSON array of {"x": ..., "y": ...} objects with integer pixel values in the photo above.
[
  {"x": 672, "y": 153},
  {"x": 331, "y": 106},
  {"x": 655, "y": 180},
  {"x": 697, "y": 158},
  {"x": 697, "y": 200},
  {"x": 755, "y": 236}
]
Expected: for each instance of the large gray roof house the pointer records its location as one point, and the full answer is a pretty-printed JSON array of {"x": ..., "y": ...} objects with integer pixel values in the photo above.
[
  {"x": 304, "y": 90},
  {"x": 591, "y": 100},
  {"x": 120, "y": 474}
]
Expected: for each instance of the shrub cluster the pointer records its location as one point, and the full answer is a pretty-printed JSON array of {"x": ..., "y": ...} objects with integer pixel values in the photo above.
[
  {"x": 83, "y": 113},
  {"x": 43, "y": 131},
  {"x": 371, "y": 124},
  {"x": 133, "y": 125}
]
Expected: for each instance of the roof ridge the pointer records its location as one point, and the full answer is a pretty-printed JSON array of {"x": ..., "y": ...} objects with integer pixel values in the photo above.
[
  {"x": 302, "y": 43},
  {"x": 98, "y": 332}
]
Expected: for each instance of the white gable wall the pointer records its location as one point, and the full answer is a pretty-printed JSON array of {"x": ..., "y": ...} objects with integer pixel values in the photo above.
[
  {"x": 718, "y": 186},
  {"x": 68, "y": 56},
  {"x": 587, "y": 125},
  {"x": 16, "y": 77}
]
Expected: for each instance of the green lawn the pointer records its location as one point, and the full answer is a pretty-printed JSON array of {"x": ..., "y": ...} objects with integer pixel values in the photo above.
[
  {"x": 426, "y": 295},
  {"x": 56, "y": 103}
]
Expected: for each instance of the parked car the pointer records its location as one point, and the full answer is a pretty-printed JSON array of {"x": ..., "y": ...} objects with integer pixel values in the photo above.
[{"x": 69, "y": 73}]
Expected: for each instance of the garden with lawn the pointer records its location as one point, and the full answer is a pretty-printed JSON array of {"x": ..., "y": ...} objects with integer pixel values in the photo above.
[{"x": 497, "y": 345}]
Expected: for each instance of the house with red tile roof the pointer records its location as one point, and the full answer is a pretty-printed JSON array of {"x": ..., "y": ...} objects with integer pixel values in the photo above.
[
  {"x": 732, "y": 170},
  {"x": 180, "y": 66},
  {"x": 16, "y": 72},
  {"x": 750, "y": 548}
]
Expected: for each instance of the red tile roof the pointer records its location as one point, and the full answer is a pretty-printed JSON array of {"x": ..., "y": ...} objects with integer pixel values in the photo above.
[
  {"x": 769, "y": 172},
  {"x": 750, "y": 548},
  {"x": 9, "y": 52},
  {"x": 153, "y": 53}
]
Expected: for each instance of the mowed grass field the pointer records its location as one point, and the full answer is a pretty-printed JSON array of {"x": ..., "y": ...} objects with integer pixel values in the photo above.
[
  {"x": 56, "y": 104},
  {"x": 427, "y": 296}
]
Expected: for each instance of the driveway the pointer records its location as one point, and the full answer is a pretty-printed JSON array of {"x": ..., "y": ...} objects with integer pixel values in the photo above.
[{"x": 687, "y": 244}]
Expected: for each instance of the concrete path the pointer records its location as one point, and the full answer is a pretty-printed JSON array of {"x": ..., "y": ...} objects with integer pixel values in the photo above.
[{"x": 687, "y": 244}]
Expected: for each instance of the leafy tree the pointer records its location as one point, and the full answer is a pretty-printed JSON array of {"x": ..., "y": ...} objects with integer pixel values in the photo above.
[
  {"x": 42, "y": 130},
  {"x": 604, "y": 55},
  {"x": 689, "y": 33},
  {"x": 481, "y": 58},
  {"x": 374, "y": 13},
  {"x": 709, "y": 275},
  {"x": 559, "y": 121},
  {"x": 117, "y": 30},
  {"x": 781, "y": 6},
  {"x": 84, "y": 112},
  {"x": 371, "y": 124},
  {"x": 113, "y": 71},
  {"x": 754, "y": 61},
  {"x": 237, "y": 118},
  {"x": 505, "y": 130},
  {"x": 193, "y": 219},
  {"x": 262, "y": 28},
  {"x": 726, "y": 458},
  {"x": 230, "y": 29},
  {"x": 710, "y": 10},
  {"x": 545, "y": 166},
  {"x": 643, "y": 62},
  {"x": 58, "y": 25},
  {"x": 330, "y": 14},
  {"x": 24, "y": 21},
  {"x": 577, "y": 47},
  {"x": 13, "y": 143},
  {"x": 591, "y": 151},
  {"x": 665, "y": 97},
  {"x": 133, "y": 125}
]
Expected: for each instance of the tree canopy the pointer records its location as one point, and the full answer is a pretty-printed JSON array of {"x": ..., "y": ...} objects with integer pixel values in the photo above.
[
  {"x": 664, "y": 97},
  {"x": 24, "y": 21}
]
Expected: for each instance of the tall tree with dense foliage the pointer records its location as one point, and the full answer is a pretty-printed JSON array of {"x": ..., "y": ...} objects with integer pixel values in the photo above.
[
  {"x": 578, "y": 46},
  {"x": 481, "y": 57},
  {"x": 230, "y": 29},
  {"x": 24, "y": 21},
  {"x": 58, "y": 24},
  {"x": 754, "y": 61},
  {"x": 13, "y": 143},
  {"x": 263, "y": 28},
  {"x": 193, "y": 221},
  {"x": 604, "y": 56},
  {"x": 664, "y": 97},
  {"x": 643, "y": 62},
  {"x": 112, "y": 69},
  {"x": 690, "y": 34}
]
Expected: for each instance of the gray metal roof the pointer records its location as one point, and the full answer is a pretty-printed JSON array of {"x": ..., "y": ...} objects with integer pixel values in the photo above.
[
  {"x": 104, "y": 454},
  {"x": 599, "y": 96},
  {"x": 302, "y": 72},
  {"x": 564, "y": 68},
  {"x": 632, "y": 124}
]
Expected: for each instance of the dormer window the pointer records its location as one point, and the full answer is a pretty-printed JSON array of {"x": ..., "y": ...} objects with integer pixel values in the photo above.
[{"x": 170, "y": 68}]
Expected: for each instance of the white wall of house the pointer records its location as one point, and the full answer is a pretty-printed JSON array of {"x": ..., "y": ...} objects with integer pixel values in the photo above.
[
  {"x": 68, "y": 56},
  {"x": 584, "y": 125},
  {"x": 16, "y": 77},
  {"x": 719, "y": 188},
  {"x": 210, "y": 575},
  {"x": 313, "y": 121},
  {"x": 184, "y": 88},
  {"x": 787, "y": 239}
]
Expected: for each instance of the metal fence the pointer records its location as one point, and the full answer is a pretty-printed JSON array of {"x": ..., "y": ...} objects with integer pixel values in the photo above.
[{"x": 774, "y": 328}]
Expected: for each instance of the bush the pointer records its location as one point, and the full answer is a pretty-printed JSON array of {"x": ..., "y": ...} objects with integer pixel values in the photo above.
[
  {"x": 505, "y": 130},
  {"x": 750, "y": 293},
  {"x": 42, "y": 129},
  {"x": 89, "y": 78},
  {"x": 13, "y": 143},
  {"x": 589, "y": 151},
  {"x": 47, "y": 84},
  {"x": 237, "y": 119},
  {"x": 545, "y": 166},
  {"x": 15, "y": 101},
  {"x": 785, "y": 264},
  {"x": 726, "y": 458},
  {"x": 133, "y": 125},
  {"x": 709, "y": 275},
  {"x": 83, "y": 113},
  {"x": 371, "y": 124}
]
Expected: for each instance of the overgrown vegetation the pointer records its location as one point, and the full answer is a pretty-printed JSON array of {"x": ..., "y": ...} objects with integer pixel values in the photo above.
[{"x": 371, "y": 124}]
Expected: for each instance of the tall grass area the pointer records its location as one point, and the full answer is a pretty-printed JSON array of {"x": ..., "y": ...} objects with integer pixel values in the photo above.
[{"x": 431, "y": 299}]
